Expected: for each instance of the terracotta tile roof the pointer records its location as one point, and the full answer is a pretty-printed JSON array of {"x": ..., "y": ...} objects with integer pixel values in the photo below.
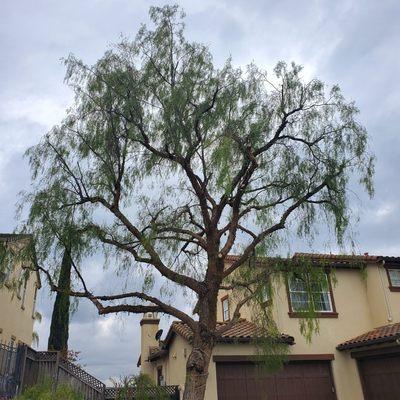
[
  {"x": 341, "y": 258},
  {"x": 334, "y": 260},
  {"x": 382, "y": 334},
  {"x": 243, "y": 330}
]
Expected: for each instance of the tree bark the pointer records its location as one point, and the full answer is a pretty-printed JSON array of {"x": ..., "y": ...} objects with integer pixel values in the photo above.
[
  {"x": 197, "y": 372},
  {"x": 204, "y": 339}
]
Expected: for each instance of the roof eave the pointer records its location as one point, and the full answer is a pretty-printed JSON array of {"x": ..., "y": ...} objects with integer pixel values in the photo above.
[{"x": 351, "y": 346}]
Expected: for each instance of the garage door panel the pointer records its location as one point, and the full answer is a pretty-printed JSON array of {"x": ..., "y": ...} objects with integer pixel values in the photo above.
[
  {"x": 296, "y": 381},
  {"x": 380, "y": 377}
]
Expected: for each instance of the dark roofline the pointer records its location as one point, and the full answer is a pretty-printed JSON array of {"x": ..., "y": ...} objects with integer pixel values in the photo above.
[
  {"x": 286, "y": 339},
  {"x": 347, "y": 261},
  {"x": 367, "y": 343},
  {"x": 389, "y": 259},
  {"x": 159, "y": 354},
  {"x": 14, "y": 237}
]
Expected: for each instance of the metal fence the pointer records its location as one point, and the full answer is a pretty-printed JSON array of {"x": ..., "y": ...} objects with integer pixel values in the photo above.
[
  {"x": 22, "y": 367},
  {"x": 10, "y": 367}
]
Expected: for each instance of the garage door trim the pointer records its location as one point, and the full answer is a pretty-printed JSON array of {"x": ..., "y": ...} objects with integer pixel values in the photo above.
[
  {"x": 377, "y": 352},
  {"x": 290, "y": 357}
]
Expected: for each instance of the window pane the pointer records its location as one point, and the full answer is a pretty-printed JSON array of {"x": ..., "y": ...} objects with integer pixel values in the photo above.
[
  {"x": 394, "y": 277},
  {"x": 297, "y": 285},
  {"x": 320, "y": 285},
  {"x": 322, "y": 302},
  {"x": 300, "y": 301},
  {"x": 225, "y": 309}
]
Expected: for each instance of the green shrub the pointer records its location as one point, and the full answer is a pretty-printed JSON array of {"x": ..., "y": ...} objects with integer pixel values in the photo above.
[
  {"x": 143, "y": 387},
  {"x": 44, "y": 392}
]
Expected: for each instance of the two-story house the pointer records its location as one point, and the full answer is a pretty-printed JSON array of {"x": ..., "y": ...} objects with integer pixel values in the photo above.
[
  {"x": 18, "y": 292},
  {"x": 355, "y": 355}
]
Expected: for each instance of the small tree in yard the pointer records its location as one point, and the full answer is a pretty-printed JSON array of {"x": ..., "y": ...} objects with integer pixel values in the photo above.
[
  {"x": 59, "y": 327},
  {"x": 168, "y": 163}
]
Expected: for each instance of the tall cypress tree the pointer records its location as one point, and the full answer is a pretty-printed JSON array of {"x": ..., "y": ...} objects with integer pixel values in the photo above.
[{"x": 59, "y": 328}]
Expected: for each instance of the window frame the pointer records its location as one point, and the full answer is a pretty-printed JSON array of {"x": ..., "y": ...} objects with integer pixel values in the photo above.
[
  {"x": 223, "y": 300},
  {"x": 389, "y": 267},
  {"x": 21, "y": 281},
  {"x": 319, "y": 314},
  {"x": 34, "y": 301}
]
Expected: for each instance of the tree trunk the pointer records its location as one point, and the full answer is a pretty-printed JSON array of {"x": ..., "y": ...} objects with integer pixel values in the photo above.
[
  {"x": 203, "y": 344},
  {"x": 197, "y": 372},
  {"x": 59, "y": 328}
]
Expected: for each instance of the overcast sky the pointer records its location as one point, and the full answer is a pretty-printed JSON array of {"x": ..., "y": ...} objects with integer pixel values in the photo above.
[{"x": 353, "y": 43}]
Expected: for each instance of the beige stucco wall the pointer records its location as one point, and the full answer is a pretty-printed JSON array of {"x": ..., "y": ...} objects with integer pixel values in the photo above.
[
  {"x": 16, "y": 319},
  {"x": 361, "y": 306},
  {"x": 384, "y": 304}
]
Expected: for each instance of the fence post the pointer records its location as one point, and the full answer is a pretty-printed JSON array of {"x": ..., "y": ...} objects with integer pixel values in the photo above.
[
  {"x": 55, "y": 376},
  {"x": 24, "y": 352}
]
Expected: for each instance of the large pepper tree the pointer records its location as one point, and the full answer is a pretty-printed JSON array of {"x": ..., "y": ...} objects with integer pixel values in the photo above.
[{"x": 167, "y": 163}]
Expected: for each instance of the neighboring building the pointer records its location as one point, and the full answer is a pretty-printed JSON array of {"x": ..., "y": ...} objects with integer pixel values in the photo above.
[
  {"x": 17, "y": 303},
  {"x": 356, "y": 354}
]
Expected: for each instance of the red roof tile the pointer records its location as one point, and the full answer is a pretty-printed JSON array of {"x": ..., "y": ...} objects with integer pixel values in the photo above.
[
  {"x": 243, "y": 330},
  {"x": 334, "y": 260},
  {"x": 346, "y": 258},
  {"x": 383, "y": 334}
]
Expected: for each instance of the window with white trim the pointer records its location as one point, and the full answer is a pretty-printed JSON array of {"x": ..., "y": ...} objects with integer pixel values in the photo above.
[
  {"x": 394, "y": 275},
  {"x": 225, "y": 309},
  {"x": 306, "y": 294},
  {"x": 21, "y": 279}
]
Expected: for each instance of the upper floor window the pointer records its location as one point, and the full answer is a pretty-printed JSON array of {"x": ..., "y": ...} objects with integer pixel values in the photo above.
[
  {"x": 21, "y": 280},
  {"x": 34, "y": 303},
  {"x": 225, "y": 308},
  {"x": 307, "y": 294},
  {"x": 394, "y": 278}
]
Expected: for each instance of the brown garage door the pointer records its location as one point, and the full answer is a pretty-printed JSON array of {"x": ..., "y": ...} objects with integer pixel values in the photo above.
[
  {"x": 309, "y": 380},
  {"x": 380, "y": 377}
]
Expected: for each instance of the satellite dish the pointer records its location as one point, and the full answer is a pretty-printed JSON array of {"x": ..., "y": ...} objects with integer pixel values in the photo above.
[{"x": 158, "y": 334}]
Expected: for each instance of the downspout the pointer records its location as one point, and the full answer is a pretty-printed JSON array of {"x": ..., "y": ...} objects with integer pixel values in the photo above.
[{"x": 388, "y": 308}]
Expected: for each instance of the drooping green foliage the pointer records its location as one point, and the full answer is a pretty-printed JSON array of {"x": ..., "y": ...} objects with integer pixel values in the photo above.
[
  {"x": 59, "y": 328},
  {"x": 148, "y": 105},
  {"x": 167, "y": 162}
]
